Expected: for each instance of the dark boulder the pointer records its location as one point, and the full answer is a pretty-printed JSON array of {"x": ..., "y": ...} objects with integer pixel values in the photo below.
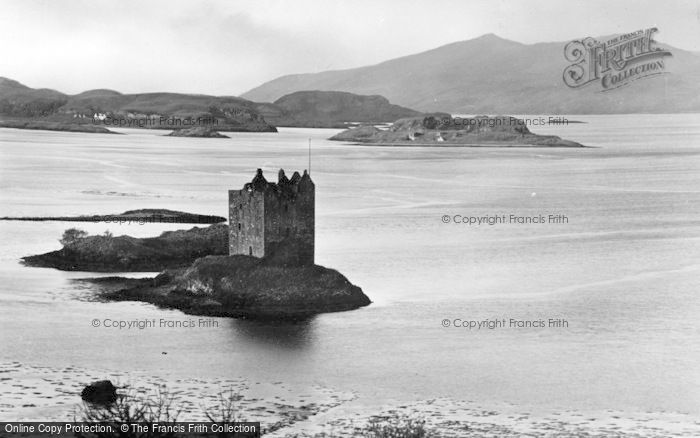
[{"x": 102, "y": 392}]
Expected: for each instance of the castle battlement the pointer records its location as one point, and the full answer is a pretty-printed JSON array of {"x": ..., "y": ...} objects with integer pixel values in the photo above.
[
  {"x": 284, "y": 186},
  {"x": 269, "y": 219}
]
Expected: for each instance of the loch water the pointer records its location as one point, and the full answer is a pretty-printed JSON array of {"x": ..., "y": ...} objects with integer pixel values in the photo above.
[{"x": 623, "y": 271}]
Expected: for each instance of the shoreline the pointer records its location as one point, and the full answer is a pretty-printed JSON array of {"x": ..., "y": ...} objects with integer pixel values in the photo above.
[
  {"x": 41, "y": 125},
  {"x": 202, "y": 219},
  {"x": 317, "y": 410}
]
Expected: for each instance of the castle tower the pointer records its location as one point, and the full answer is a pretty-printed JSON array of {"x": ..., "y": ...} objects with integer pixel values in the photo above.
[{"x": 274, "y": 219}]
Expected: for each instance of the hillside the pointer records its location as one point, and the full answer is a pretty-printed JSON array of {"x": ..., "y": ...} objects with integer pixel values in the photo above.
[
  {"x": 19, "y": 102},
  {"x": 331, "y": 109},
  {"x": 496, "y": 76},
  {"x": 24, "y": 107}
]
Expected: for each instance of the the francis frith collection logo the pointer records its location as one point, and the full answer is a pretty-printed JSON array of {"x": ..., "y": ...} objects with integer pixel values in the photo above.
[{"x": 615, "y": 62}]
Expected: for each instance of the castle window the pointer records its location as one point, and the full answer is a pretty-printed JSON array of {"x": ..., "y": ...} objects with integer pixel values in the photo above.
[
  {"x": 239, "y": 226},
  {"x": 286, "y": 207},
  {"x": 287, "y": 231},
  {"x": 250, "y": 250}
]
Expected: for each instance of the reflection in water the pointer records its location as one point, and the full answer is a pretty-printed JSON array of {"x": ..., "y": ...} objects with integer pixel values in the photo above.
[{"x": 289, "y": 335}]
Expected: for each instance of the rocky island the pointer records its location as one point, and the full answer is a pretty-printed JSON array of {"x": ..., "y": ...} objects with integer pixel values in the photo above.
[
  {"x": 107, "y": 253},
  {"x": 444, "y": 130},
  {"x": 198, "y": 131},
  {"x": 261, "y": 265},
  {"x": 141, "y": 216},
  {"x": 241, "y": 286},
  {"x": 200, "y": 278}
]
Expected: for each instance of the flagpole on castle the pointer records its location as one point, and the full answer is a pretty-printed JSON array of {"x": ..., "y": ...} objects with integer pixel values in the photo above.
[{"x": 309, "y": 157}]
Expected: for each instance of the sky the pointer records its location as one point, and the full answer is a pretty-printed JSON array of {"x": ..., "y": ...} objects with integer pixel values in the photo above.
[{"x": 229, "y": 47}]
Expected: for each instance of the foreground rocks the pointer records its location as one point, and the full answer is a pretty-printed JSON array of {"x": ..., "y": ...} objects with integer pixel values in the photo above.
[
  {"x": 102, "y": 392},
  {"x": 241, "y": 286},
  {"x": 444, "y": 130}
]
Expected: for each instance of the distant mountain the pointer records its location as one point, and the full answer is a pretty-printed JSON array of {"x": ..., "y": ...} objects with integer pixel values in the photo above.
[
  {"x": 18, "y": 101},
  {"x": 331, "y": 109},
  {"x": 493, "y": 75}
]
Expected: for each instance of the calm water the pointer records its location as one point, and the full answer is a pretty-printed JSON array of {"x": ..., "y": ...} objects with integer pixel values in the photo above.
[{"x": 624, "y": 272}]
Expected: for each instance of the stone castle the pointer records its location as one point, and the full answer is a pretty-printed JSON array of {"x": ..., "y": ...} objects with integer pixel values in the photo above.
[{"x": 274, "y": 220}]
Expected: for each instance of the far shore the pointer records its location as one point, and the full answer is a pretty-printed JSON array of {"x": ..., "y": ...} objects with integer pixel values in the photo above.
[
  {"x": 44, "y": 125},
  {"x": 455, "y": 145},
  {"x": 141, "y": 216}
]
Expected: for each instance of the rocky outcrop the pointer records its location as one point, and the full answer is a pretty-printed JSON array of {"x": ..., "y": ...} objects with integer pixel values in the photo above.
[
  {"x": 241, "y": 286},
  {"x": 106, "y": 253},
  {"x": 444, "y": 130},
  {"x": 360, "y": 134},
  {"x": 198, "y": 131}
]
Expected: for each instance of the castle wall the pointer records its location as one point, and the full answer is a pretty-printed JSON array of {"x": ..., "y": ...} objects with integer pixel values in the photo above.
[
  {"x": 289, "y": 221},
  {"x": 246, "y": 227},
  {"x": 274, "y": 220}
]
